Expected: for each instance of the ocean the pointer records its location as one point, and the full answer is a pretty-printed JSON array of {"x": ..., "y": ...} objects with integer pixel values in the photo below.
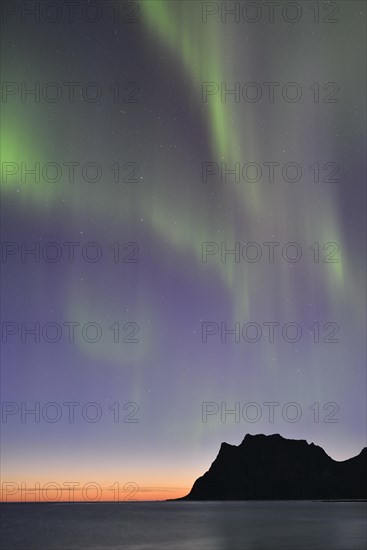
[{"x": 293, "y": 525}]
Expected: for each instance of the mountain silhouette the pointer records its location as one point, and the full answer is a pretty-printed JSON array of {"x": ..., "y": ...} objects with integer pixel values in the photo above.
[{"x": 270, "y": 467}]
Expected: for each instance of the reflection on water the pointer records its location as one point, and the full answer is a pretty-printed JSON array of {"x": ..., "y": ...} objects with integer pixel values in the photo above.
[{"x": 185, "y": 526}]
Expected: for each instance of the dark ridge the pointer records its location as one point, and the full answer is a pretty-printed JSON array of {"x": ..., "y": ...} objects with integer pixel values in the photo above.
[{"x": 270, "y": 467}]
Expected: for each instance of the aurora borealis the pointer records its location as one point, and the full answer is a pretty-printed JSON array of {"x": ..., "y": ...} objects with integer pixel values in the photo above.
[{"x": 147, "y": 141}]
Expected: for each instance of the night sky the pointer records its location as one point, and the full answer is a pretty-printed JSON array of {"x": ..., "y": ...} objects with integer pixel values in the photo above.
[{"x": 136, "y": 164}]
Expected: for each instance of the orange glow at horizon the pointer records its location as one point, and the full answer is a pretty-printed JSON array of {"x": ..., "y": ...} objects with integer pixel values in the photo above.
[
  {"x": 64, "y": 483},
  {"x": 88, "y": 492}
]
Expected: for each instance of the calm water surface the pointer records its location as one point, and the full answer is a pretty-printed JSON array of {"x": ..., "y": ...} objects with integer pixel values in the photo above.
[{"x": 185, "y": 526}]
